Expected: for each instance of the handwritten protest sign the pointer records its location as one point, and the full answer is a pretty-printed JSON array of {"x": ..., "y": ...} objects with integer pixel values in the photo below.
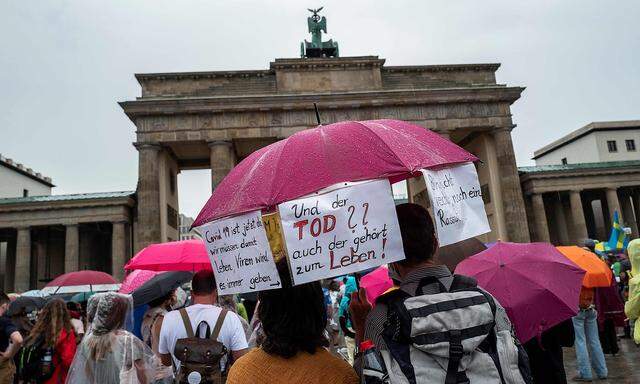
[
  {"x": 343, "y": 231},
  {"x": 240, "y": 254},
  {"x": 456, "y": 199}
]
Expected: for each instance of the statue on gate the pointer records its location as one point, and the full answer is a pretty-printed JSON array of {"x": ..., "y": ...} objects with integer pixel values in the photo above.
[{"x": 317, "y": 47}]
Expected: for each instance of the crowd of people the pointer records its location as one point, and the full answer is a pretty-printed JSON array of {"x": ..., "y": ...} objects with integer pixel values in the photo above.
[{"x": 319, "y": 332}]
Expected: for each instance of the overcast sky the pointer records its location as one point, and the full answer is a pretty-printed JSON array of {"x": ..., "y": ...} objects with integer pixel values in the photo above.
[{"x": 64, "y": 65}]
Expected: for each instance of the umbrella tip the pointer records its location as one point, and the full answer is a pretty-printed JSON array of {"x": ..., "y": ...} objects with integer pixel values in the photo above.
[{"x": 315, "y": 106}]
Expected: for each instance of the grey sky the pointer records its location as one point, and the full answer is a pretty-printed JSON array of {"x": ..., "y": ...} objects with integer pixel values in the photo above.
[{"x": 65, "y": 64}]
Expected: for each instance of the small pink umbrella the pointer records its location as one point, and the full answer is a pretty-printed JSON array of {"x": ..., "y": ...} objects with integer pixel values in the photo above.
[
  {"x": 317, "y": 158},
  {"x": 537, "y": 285},
  {"x": 135, "y": 279},
  {"x": 186, "y": 255},
  {"x": 376, "y": 283}
]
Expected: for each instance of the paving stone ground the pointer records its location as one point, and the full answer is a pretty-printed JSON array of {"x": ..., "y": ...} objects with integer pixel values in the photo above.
[{"x": 624, "y": 368}]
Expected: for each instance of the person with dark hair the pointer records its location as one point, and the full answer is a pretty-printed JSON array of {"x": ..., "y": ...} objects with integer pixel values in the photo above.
[
  {"x": 10, "y": 342},
  {"x": 293, "y": 320},
  {"x": 202, "y": 316},
  {"x": 425, "y": 284},
  {"x": 151, "y": 325},
  {"x": 76, "y": 319}
]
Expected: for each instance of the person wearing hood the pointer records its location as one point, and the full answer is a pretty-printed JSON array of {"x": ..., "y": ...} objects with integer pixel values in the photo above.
[
  {"x": 351, "y": 286},
  {"x": 632, "y": 306}
]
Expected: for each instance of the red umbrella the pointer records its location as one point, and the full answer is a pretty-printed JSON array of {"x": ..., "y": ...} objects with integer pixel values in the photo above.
[
  {"x": 317, "y": 158},
  {"x": 536, "y": 284},
  {"x": 186, "y": 255},
  {"x": 81, "y": 281}
]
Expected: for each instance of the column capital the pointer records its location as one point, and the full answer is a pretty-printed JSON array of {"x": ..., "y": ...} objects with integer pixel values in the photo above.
[
  {"x": 147, "y": 146},
  {"x": 23, "y": 228},
  {"x": 72, "y": 224},
  {"x": 214, "y": 143},
  {"x": 120, "y": 221},
  {"x": 613, "y": 189},
  {"x": 575, "y": 190}
]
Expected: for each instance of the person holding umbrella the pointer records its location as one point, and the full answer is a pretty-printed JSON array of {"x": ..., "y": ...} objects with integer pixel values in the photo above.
[{"x": 589, "y": 352}]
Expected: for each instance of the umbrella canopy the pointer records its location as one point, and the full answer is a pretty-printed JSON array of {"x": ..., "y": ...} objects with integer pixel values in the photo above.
[
  {"x": 81, "y": 297},
  {"x": 159, "y": 286},
  {"x": 314, "y": 159},
  {"x": 598, "y": 272},
  {"x": 35, "y": 293},
  {"x": 536, "y": 284},
  {"x": 451, "y": 255},
  {"x": 376, "y": 283},
  {"x": 26, "y": 304},
  {"x": 186, "y": 255},
  {"x": 135, "y": 279},
  {"x": 81, "y": 281}
]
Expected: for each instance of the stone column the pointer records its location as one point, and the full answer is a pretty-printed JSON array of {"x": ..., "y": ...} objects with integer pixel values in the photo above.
[
  {"x": 71, "y": 248},
  {"x": 23, "y": 260},
  {"x": 118, "y": 251},
  {"x": 579, "y": 223},
  {"x": 613, "y": 203},
  {"x": 628, "y": 215},
  {"x": 560, "y": 221},
  {"x": 512, "y": 198},
  {"x": 222, "y": 158},
  {"x": 540, "y": 216},
  {"x": 148, "y": 192}
]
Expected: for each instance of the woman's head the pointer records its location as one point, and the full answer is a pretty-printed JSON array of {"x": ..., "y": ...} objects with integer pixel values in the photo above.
[
  {"x": 112, "y": 313},
  {"x": 51, "y": 320},
  {"x": 293, "y": 317}
]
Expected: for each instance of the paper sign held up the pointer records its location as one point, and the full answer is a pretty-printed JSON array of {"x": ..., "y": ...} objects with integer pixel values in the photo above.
[
  {"x": 456, "y": 198},
  {"x": 343, "y": 231},
  {"x": 240, "y": 254}
]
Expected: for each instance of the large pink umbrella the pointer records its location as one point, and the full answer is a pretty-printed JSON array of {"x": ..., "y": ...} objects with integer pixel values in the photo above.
[
  {"x": 537, "y": 285},
  {"x": 135, "y": 279},
  {"x": 186, "y": 255},
  {"x": 329, "y": 154}
]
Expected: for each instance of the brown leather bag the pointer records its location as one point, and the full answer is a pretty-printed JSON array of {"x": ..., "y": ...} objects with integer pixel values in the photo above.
[{"x": 200, "y": 357}]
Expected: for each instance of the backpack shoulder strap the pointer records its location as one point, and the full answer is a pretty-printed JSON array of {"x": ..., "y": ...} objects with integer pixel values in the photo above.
[
  {"x": 187, "y": 322},
  {"x": 218, "y": 326}
]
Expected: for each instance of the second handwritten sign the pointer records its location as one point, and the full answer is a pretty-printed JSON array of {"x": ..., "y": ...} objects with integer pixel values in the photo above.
[
  {"x": 240, "y": 254},
  {"x": 340, "y": 232}
]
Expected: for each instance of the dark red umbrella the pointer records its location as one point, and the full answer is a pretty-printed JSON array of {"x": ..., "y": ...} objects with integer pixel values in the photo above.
[{"x": 81, "y": 281}]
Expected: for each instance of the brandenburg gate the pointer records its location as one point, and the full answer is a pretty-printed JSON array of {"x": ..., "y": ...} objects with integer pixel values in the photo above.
[{"x": 213, "y": 120}]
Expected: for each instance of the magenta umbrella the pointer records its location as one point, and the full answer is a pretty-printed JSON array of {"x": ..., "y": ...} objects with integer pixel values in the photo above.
[
  {"x": 537, "y": 285},
  {"x": 317, "y": 158},
  {"x": 186, "y": 255},
  {"x": 376, "y": 282},
  {"x": 135, "y": 279}
]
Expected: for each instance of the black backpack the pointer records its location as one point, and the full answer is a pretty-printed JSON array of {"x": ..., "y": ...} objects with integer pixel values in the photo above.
[{"x": 35, "y": 362}]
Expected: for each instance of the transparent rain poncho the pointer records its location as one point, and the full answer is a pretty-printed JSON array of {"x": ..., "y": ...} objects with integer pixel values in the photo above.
[{"x": 110, "y": 353}]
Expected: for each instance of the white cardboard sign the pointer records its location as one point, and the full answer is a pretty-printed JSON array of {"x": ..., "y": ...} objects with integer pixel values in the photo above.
[
  {"x": 240, "y": 254},
  {"x": 456, "y": 198},
  {"x": 343, "y": 231}
]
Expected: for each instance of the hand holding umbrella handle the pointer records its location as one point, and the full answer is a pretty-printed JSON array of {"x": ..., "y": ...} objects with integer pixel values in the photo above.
[{"x": 359, "y": 308}]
